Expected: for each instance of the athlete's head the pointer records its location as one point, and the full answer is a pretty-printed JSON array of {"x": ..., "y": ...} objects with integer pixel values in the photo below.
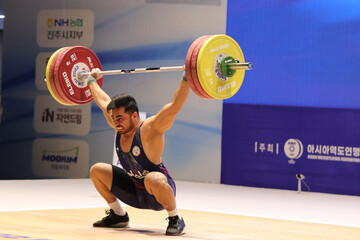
[{"x": 124, "y": 111}]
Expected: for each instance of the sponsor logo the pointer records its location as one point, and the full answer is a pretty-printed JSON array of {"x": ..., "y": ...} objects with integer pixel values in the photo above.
[
  {"x": 136, "y": 151},
  {"x": 65, "y": 22},
  {"x": 333, "y": 153},
  {"x": 66, "y": 116},
  {"x": 137, "y": 174},
  {"x": 60, "y": 158},
  {"x": 56, "y": 27},
  {"x": 52, "y": 117},
  {"x": 221, "y": 47},
  {"x": 69, "y": 156},
  {"x": 293, "y": 149},
  {"x": 68, "y": 84},
  {"x": 216, "y": 67},
  {"x": 226, "y": 86},
  {"x": 79, "y": 67}
]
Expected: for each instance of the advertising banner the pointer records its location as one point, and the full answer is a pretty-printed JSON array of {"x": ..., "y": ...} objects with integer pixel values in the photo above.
[{"x": 271, "y": 146}]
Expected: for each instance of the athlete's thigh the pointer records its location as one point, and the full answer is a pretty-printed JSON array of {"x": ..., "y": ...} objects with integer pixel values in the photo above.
[
  {"x": 121, "y": 180},
  {"x": 124, "y": 188},
  {"x": 156, "y": 179}
]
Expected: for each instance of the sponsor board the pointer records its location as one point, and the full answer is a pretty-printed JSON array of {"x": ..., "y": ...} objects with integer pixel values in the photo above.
[
  {"x": 294, "y": 149},
  {"x": 53, "y": 117},
  {"x": 268, "y": 146},
  {"x": 65, "y": 27},
  {"x": 60, "y": 158}
]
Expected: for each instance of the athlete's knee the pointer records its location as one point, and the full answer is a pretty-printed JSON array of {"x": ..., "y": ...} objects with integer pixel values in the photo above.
[
  {"x": 155, "y": 181},
  {"x": 98, "y": 169}
]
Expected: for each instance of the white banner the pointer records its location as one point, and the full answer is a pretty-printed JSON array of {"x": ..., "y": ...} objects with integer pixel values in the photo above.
[
  {"x": 60, "y": 158},
  {"x": 59, "y": 27},
  {"x": 53, "y": 117}
]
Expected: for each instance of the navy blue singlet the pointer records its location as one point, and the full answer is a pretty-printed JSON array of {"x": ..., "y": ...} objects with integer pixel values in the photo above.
[{"x": 137, "y": 165}]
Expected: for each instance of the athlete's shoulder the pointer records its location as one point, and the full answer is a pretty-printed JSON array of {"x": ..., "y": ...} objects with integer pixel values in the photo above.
[
  {"x": 147, "y": 122},
  {"x": 146, "y": 127}
]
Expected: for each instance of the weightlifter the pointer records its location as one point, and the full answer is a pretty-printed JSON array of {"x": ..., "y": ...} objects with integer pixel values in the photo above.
[{"x": 143, "y": 182}]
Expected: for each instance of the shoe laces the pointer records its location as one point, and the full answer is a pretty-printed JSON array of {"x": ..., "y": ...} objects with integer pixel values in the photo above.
[
  {"x": 173, "y": 220},
  {"x": 107, "y": 212}
]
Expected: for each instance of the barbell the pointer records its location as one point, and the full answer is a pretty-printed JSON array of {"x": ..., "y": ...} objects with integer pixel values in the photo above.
[{"x": 214, "y": 67}]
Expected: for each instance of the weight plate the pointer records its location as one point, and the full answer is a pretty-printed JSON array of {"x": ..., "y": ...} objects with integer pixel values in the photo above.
[
  {"x": 194, "y": 73},
  {"x": 188, "y": 67},
  {"x": 70, "y": 63},
  {"x": 58, "y": 87},
  {"x": 210, "y": 55},
  {"x": 50, "y": 81}
]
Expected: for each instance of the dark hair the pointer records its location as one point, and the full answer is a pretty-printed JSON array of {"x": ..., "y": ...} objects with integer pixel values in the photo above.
[{"x": 123, "y": 100}]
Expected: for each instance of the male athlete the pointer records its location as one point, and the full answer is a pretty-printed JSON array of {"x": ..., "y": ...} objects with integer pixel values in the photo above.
[{"x": 143, "y": 181}]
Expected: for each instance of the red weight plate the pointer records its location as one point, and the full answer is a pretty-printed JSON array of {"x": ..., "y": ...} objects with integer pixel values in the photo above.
[
  {"x": 195, "y": 77},
  {"x": 69, "y": 64},
  {"x": 50, "y": 79},
  {"x": 57, "y": 82},
  {"x": 188, "y": 67},
  {"x": 54, "y": 80}
]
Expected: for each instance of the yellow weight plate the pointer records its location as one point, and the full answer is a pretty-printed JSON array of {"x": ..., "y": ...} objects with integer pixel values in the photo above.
[
  {"x": 211, "y": 79},
  {"x": 48, "y": 83}
]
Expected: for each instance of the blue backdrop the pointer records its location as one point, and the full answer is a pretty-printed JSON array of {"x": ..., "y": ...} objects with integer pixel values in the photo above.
[
  {"x": 305, "y": 77},
  {"x": 305, "y": 53}
]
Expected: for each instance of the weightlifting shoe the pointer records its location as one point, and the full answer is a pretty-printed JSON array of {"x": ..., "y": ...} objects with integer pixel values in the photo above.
[
  {"x": 113, "y": 220},
  {"x": 176, "y": 226}
]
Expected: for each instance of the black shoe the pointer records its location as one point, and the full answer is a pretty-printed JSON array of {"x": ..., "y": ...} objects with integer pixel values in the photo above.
[
  {"x": 176, "y": 226},
  {"x": 112, "y": 220}
]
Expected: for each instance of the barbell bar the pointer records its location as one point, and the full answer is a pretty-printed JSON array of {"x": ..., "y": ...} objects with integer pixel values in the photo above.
[
  {"x": 214, "y": 67},
  {"x": 232, "y": 66}
]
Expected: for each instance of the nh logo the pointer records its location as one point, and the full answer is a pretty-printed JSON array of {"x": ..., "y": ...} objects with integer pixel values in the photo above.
[{"x": 57, "y": 22}]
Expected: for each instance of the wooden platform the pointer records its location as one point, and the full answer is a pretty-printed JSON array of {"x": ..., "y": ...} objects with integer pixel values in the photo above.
[{"x": 146, "y": 224}]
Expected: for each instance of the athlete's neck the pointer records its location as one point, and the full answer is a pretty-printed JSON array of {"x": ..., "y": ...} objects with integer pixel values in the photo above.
[{"x": 132, "y": 131}]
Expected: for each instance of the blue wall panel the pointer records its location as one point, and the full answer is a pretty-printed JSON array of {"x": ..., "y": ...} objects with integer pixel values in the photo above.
[{"x": 297, "y": 110}]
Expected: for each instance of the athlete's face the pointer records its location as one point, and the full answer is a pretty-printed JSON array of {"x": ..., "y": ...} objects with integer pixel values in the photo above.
[{"x": 123, "y": 121}]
